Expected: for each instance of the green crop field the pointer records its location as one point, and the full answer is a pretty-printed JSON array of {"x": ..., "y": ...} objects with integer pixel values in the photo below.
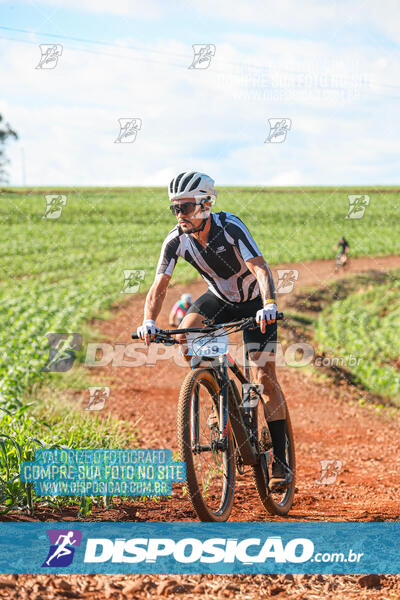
[
  {"x": 56, "y": 274},
  {"x": 366, "y": 325}
]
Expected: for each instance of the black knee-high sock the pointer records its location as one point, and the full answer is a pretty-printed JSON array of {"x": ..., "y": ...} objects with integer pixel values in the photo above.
[{"x": 277, "y": 430}]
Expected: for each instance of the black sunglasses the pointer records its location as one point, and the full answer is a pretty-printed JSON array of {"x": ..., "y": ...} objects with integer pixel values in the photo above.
[{"x": 186, "y": 208}]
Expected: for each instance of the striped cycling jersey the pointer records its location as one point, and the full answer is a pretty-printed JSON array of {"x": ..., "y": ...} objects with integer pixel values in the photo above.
[{"x": 222, "y": 262}]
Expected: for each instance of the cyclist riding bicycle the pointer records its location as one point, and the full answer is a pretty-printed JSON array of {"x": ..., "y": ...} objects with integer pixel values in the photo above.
[
  {"x": 180, "y": 309},
  {"x": 240, "y": 284},
  {"x": 343, "y": 248}
]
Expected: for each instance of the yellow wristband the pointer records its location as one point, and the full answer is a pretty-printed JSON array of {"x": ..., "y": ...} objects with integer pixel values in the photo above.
[{"x": 269, "y": 301}]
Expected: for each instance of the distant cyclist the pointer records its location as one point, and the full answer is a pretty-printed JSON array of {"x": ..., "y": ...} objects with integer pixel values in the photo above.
[
  {"x": 240, "y": 284},
  {"x": 342, "y": 247},
  {"x": 180, "y": 309}
]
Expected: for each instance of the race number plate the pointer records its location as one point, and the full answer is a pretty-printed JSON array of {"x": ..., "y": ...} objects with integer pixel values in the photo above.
[{"x": 201, "y": 345}]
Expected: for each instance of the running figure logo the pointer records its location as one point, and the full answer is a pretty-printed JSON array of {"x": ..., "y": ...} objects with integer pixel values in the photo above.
[
  {"x": 203, "y": 54},
  {"x": 128, "y": 129},
  {"x": 62, "y": 351},
  {"x": 357, "y": 205},
  {"x": 49, "y": 55},
  {"x": 61, "y": 552},
  {"x": 278, "y": 129}
]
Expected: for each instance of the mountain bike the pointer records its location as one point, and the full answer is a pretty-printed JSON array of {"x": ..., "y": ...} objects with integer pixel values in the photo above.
[
  {"x": 222, "y": 430},
  {"x": 341, "y": 261}
]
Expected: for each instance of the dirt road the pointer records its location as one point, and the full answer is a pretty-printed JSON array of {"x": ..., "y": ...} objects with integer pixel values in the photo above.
[{"x": 328, "y": 424}]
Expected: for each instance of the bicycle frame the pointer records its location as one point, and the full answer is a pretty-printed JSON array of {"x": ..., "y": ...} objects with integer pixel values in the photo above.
[
  {"x": 230, "y": 404},
  {"x": 218, "y": 415}
]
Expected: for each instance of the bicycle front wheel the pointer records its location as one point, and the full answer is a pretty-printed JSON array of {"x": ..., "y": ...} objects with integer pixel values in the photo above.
[{"x": 210, "y": 468}]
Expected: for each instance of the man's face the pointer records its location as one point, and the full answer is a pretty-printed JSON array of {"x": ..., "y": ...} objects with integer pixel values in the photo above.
[{"x": 193, "y": 214}]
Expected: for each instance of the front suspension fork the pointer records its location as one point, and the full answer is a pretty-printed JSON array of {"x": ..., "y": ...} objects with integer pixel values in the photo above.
[{"x": 223, "y": 403}]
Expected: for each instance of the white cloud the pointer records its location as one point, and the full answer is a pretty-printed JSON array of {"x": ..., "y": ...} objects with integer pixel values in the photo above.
[
  {"x": 311, "y": 16},
  {"x": 214, "y": 120},
  {"x": 368, "y": 16},
  {"x": 127, "y": 8}
]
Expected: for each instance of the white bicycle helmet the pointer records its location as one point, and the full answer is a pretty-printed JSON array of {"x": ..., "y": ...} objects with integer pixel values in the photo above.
[
  {"x": 186, "y": 298},
  {"x": 191, "y": 184}
]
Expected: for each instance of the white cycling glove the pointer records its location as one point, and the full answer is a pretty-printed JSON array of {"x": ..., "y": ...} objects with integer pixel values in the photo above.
[
  {"x": 268, "y": 313},
  {"x": 148, "y": 327}
]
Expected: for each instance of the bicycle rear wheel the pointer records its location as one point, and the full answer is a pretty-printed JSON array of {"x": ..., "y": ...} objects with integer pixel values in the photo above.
[
  {"x": 210, "y": 472},
  {"x": 278, "y": 502}
]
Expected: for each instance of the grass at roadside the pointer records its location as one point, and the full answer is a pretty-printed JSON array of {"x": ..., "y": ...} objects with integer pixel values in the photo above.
[
  {"x": 50, "y": 419},
  {"x": 355, "y": 323},
  {"x": 366, "y": 326}
]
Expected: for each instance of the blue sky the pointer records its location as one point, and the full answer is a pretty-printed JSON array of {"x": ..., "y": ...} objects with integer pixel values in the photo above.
[{"x": 332, "y": 68}]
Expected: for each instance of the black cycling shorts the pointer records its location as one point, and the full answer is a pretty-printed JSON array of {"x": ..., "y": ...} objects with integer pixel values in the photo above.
[{"x": 221, "y": 311}]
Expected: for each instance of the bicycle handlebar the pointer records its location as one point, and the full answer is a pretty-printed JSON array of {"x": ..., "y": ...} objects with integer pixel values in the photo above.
[{"x": 247, "y": 323}]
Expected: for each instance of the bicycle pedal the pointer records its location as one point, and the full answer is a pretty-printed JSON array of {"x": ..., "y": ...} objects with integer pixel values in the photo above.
[{"x": 278, "y": 487}]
